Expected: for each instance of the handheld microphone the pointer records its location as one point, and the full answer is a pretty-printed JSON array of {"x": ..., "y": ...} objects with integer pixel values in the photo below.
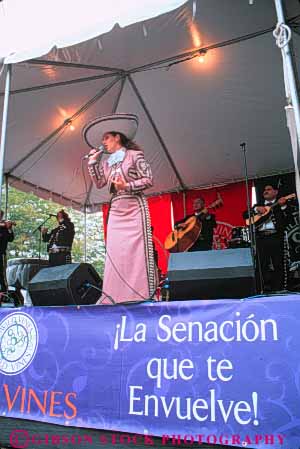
[
  {"x": 101, "y": 149},
  {"x": 52, "y": 215}
]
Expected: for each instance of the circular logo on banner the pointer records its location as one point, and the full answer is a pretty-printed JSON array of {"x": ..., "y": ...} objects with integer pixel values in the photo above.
[{"x": 18, "y": 343}]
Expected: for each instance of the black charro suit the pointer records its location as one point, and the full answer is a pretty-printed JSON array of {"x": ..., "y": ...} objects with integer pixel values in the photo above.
[{"x": 270, "y": 248}]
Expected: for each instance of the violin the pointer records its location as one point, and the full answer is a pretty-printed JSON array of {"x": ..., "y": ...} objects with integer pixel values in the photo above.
[{"x": 7, "y": 224}]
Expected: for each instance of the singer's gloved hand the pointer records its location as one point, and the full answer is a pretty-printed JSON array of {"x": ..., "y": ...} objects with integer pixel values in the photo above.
[{"x": 94, "y": 156}]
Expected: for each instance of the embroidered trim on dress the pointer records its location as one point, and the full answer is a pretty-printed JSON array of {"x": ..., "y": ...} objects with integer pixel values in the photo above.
[{"x": 147, "y": 234}]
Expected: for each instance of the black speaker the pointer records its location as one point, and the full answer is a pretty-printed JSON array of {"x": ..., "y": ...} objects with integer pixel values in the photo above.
[
  {"x": 211, "y": 274},
  {"x": 65, "y": 285},
  {"x": 20, "y": 271}
]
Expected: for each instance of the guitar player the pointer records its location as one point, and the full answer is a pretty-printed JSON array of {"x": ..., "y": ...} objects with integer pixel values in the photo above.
[
  {"x": 205, "y": 239},
  {"x": 270, "y": 239}
]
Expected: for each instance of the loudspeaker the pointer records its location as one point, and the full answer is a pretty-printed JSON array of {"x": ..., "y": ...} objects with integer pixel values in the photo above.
[
  {"x": 211, "y": 274},
  {"x": 65, "y": 285},
  {"x": 20, "y": 271}
]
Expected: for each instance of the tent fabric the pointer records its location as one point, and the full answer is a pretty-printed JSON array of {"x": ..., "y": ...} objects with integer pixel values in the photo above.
[
  {"x": 60, "y": 23},
  {"x": 192, "y": 116}
]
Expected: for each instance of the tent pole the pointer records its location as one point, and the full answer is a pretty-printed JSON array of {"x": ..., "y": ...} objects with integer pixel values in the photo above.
[
  {"x": 73, "y": 65},
  {"x": 290, "y": 71},
  {"x": 4, "y": 126},
  {"x": 157, "y": 133},
  {"x": 6, "y": 197},
  {"x": 61, "y": 83},
  {"x": 291, "y": 79},
  {"x": 190, "y": 54},
  {"x": 83, "y": 108}
]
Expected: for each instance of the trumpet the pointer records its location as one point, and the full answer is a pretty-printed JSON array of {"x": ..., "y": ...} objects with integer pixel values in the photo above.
[{"x": 7, "y": 224}]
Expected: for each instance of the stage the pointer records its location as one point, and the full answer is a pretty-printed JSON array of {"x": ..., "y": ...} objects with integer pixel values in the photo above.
[{"x": 219, "y": 371}]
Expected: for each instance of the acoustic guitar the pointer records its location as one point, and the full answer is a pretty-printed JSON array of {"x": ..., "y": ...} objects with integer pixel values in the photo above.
[
  {"x": 259, "y": 219},
  {"x": 183, "y": 237}
]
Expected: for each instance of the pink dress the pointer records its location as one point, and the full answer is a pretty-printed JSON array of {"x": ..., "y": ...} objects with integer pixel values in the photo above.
[{"x": 129, "y": 273}]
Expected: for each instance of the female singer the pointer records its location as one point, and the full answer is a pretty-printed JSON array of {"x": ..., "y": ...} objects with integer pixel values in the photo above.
[{"x": 129, "y": 273}]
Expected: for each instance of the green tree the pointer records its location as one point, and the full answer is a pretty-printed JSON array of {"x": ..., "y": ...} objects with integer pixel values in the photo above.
[{"x": 29, "y": 211}]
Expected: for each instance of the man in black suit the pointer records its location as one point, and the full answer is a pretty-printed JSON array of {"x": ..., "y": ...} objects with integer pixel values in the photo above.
[
  {"x": 270, "y": 240},
  {"x": 60, "y": 240},
  {"x": 6, "y": 235},
  {"x": 208, "y": 223}
]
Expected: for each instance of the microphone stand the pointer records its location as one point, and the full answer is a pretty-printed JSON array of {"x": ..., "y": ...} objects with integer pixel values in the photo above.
[
  {"x": 252, "y": 233},
  {"x": 40, "y": 238}
]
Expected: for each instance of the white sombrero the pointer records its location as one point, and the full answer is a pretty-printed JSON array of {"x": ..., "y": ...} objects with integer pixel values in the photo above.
[{"x": 93, "y": 131}]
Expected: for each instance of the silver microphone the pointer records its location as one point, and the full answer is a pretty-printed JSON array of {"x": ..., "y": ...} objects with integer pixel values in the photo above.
[{"x": 100, "y": 149}]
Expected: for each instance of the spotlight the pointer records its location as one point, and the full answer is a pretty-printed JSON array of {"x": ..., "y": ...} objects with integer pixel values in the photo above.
[
  {"x": 70, "y": 125},
  {"x": 201, "y": 56}
]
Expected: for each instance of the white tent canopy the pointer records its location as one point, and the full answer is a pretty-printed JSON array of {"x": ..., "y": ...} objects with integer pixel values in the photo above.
[
  {"x": 193, "y": 116},
  {"x": 31, "y": 29}
]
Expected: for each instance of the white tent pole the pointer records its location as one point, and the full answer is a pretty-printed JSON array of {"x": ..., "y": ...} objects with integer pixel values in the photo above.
[
  {"x": 4, "y": 126},
  {"x": 6, "y": 197},
  {"x": 289, "y": 71}
]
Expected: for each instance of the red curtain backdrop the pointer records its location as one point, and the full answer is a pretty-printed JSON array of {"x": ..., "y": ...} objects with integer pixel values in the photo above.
[
  {"x": 160, "y": 213},
  {"x": 178, "y": 205},
  {"x": 105, "y": 209},
  {"x": 227, "y": 216}
]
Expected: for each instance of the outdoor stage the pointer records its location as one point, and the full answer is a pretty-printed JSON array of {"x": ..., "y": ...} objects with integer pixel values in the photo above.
[{"x": 227, "y": 370}]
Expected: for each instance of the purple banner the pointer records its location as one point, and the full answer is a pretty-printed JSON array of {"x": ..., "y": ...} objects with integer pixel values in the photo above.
[{"x": 219, "y": 372}]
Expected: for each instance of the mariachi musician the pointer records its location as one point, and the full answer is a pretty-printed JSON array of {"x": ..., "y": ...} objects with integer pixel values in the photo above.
[
  {"x": 60, "y": 240},
  {"x": 204, "y": 241},
  {"x": 6, "y": 235},
  {"x": 272, "y": 215}
]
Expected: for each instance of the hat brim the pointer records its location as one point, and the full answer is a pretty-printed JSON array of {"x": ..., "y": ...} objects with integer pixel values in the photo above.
[{"x": 93, "y": 131}]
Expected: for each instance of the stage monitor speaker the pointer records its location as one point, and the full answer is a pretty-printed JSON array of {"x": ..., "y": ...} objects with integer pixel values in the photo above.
[
  {"x": 211, "y": 274},
  {"x": 65, "y": 285}
]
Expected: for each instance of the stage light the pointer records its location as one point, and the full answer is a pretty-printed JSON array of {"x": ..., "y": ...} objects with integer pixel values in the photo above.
[
  {"x": 69, "y": 123},
  {"x": 201, "y": 56}
]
